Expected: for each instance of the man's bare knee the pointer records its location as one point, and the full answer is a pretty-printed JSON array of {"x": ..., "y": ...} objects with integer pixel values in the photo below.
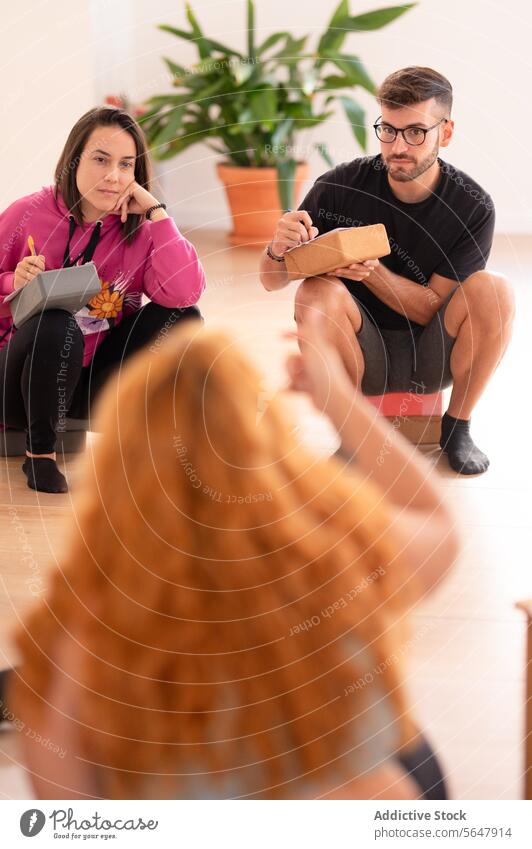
[
  {"x": 485, "y": 297},
  {"x": 329, "y": 297},
  {"x": 314, "y": 289}
]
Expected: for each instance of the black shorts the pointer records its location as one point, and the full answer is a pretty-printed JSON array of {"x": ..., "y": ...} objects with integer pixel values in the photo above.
[{"x": 415, "y": 360}]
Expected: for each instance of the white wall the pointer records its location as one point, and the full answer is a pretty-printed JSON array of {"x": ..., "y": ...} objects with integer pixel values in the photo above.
[
  {"x": 46, "y": 73},
  {"x": 483, "y": 47},
  {"x": 60, "y": 57}
]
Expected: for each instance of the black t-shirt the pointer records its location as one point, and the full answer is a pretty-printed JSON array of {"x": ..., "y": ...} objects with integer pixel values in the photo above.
[{"x": 449, "y": 233}]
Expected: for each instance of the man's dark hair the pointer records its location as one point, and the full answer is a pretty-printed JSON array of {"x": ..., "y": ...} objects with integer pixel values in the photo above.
[{"x": 415, "y": 85}]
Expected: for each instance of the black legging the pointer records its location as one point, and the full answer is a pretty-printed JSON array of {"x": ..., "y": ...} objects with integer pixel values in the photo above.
[
  {"x": 41, "y": 368},
  {"x": 422, "y": 765}
]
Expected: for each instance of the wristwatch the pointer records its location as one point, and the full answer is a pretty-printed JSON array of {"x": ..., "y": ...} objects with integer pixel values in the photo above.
[{"x": 273, "y": 256}]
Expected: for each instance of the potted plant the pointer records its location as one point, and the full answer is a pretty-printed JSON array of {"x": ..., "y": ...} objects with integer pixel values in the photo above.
[{"x": 250, "y": 106}]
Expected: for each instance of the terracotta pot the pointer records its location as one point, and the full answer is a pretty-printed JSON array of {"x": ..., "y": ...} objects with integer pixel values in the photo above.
[{"x": 254, "y": 201}]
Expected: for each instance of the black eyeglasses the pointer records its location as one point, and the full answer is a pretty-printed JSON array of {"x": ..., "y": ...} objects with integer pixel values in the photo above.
[{"x": 412, "y": 135}]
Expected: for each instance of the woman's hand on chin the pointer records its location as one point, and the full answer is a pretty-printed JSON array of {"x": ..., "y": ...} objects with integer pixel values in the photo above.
[{"x": 134, "y": 200}]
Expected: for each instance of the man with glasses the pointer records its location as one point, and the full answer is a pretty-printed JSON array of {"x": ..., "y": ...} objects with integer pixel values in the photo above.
[{"x": 428, "y": 315}]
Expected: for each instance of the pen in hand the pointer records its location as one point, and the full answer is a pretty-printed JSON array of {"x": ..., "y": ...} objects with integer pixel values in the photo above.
[
  {"x": 28, "y": 267},
  {"x": 40, "y": 259},
  {"x": 307, "y": 227}
]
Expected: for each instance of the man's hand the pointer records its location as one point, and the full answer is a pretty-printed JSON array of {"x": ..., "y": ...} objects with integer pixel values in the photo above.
[
  {"x": 293, "y": 229},
  {"x": 357, "y": 271}
]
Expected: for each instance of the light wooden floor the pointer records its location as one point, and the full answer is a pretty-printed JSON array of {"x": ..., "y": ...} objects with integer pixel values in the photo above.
[{"x": 467, "y": 652}]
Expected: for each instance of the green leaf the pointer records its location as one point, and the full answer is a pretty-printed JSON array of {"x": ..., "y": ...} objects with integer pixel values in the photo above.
[
  {"x": 162, "y": 100},
  {"x": 373, "y": 20},
  {"x": 176, "y": 147},
  {"x": 282, "y": 133},
  {"x": 171, "y": 128},
  {"x": 356, "y": 117},
  {"x": 333, "y": 38},
  {"x": 188, "y": 36},
  {"x": 179, "y": 33},
  {"x": 177, "y": 71},
  {"x": 151, "y": 125},
  {"x": 341, "y": 11},
  {"x": 353, "y": 70},
  {"x": 323, "y": 150},
  {"x": 222, "y": 48},
  {"x": 196, "y": 82},
  {"x": 290, "y": 53},
  {"x": 300, "y": 108},
  {"x": 152, "y": 110},
  {"x": 270, "y": 41},
  {"x": 213, "y": 67},
  {"x": 241, "y": 128},
  {"x": 148, "y": 116},
  {"x": 263, "y": 105},
  {"x": 334, "y": 81},
  {"x": 251, "y": 30},
  {"x": 199, "y": 38},
  {"x": 192, "y": 133},
  {"x": 286, "y": 172},
  {"x": 304, "y": 123},
  {"x": 342, "y": 24},
  {"x": 207, "y": 92}
]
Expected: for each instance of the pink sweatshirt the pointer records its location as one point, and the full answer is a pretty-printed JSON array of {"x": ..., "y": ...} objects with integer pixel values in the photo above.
[{"x": 159, "y": 263}]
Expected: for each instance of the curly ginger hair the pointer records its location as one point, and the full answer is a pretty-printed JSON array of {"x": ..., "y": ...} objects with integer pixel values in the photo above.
[{"x": 207, "y": 546}]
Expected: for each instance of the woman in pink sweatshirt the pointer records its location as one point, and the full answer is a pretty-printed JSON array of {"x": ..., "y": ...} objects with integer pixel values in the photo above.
[{"x": 100, "y": 209}]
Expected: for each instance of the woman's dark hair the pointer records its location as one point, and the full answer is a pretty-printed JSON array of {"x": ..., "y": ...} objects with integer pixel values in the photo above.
[{"x": 66, "y": 169}]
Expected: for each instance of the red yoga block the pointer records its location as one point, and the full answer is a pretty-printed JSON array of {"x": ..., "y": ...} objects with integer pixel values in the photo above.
[
  {"x": 417, "y": 416},
  {"x": 408, "y": 404}
]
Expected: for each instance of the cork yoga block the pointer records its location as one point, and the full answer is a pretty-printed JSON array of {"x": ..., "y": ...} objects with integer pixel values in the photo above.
[
  {"x": 420, "y": 430},
  {"x": 417, "y": 416},
  {"x": 337, "y": 249}
]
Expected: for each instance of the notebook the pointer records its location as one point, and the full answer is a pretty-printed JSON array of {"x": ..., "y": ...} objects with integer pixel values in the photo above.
[{"x": 61, "y": 289}]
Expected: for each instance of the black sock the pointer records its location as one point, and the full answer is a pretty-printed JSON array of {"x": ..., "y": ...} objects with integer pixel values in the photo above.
[
  {"x": 464, "y": 456},
  {"x": 43, "y": 475}
]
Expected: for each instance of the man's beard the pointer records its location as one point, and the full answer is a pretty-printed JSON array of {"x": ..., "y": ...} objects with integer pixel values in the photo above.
[{"x": 408, "y": 176}]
